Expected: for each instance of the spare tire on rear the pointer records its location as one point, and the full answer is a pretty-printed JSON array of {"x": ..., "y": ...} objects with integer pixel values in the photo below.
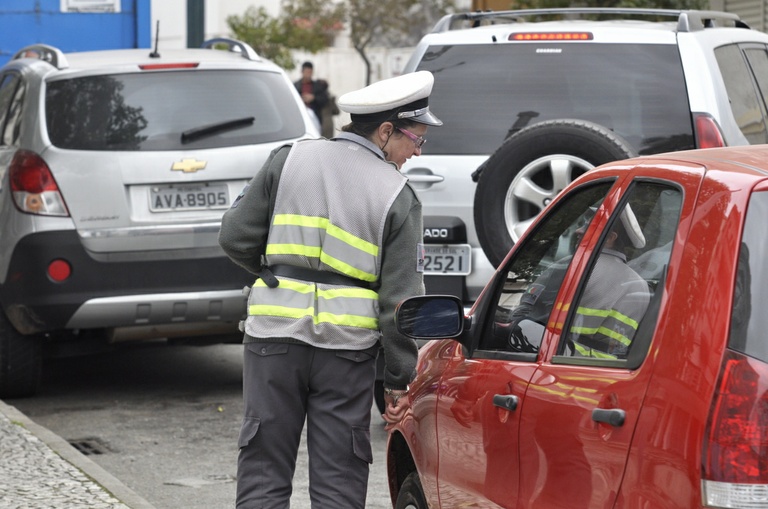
[{"x": 529, "y": 169}]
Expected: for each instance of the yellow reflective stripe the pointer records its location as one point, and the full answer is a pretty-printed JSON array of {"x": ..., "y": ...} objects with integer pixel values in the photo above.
[
  {"x": 346, "y": 268},
  {"x": 265, "y": 309},
  {"x": 352, "y": 240},
  {"x": 286, "y": 284},
  {"x": 331, "y": 229},
  {"x": 362, "y": 322},
  {"x": 357, "y": 293},
  {"x": 588, "y": 331},
  {"x": 293, "y": 249},
  {"x": 589, "y": 352},
  {"x": 608, "y": 313},
  {"x": 299, "y": 220}
]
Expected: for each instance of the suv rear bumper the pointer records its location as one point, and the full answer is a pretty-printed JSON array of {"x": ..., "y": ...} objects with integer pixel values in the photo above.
[{"x": 183, "y": 294}]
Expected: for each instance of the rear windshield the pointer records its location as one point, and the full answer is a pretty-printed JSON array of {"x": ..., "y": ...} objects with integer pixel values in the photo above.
[
  {"x": 749, "y": 321},
  {"x": 152, "y": 110},
  {"x": 485, "y": 92}
]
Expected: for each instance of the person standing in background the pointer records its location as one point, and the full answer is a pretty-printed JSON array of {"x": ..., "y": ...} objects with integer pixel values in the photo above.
[{"x": 313, "y": 92}]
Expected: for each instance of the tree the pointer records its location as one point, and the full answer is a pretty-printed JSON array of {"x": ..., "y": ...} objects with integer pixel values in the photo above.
[
  {"x": 306, "y": 25},
  {"x": 391, "y": 22},
  {"x": 310, "y": 25}
]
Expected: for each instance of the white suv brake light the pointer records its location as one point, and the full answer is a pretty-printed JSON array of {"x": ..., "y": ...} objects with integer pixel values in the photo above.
[
  {"x": 735, "y": 455},
  {"x": 708, "y": 133},
  {"x": 34, "y": 189}
]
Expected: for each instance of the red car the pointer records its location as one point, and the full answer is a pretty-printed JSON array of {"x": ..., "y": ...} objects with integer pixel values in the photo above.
[{"x": 617, "y": 359}]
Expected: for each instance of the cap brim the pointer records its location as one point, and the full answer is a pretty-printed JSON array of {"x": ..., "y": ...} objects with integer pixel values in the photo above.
[
  {"x": 632, "y": 227},
  {"x": 427, "y": 118}
]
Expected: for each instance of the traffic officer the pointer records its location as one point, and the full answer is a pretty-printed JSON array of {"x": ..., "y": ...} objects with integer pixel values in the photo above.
[{"x": 333, "y": 231}]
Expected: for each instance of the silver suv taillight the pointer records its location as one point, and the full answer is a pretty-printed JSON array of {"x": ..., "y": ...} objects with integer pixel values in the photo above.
[
  {"x": 708, "y": 132},
  {"x": 34, "y": 189},
  {"x": 735, "y": 453}
]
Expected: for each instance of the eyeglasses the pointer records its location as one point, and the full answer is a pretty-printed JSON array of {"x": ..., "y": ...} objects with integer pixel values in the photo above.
[{"x": 417, "y": 140}]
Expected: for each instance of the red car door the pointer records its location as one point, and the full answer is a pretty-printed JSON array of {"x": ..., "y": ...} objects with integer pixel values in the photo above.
[
  {"x": 480, "y": 396},
  {"x": 582, "y": 403}
]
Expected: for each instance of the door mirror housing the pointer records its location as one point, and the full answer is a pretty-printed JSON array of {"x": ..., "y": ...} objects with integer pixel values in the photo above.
[{"x": 430, "y": 317}]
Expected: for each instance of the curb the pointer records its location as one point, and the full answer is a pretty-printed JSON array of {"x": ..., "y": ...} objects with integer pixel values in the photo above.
[{"x": 74, "y": 457}]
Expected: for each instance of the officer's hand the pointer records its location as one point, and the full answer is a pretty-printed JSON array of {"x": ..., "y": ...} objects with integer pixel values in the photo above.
[{"x": 395, "y": 407}]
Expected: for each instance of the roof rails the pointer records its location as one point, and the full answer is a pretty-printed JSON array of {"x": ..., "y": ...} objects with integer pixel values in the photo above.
[
  {"x": 234, "y": 46},
  {"x": 687, "y": 20},
  {"x": 53, "y": 56}
]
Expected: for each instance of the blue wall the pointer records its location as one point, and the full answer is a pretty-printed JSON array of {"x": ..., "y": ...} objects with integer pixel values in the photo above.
[{"x": 25, "y": 22}]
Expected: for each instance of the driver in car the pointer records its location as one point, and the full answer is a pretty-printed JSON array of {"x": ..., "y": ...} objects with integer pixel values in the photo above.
[{"x": 611, "y": 307}]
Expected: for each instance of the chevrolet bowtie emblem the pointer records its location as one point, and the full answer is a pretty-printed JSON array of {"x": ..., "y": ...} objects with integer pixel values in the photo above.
[{"x": 188, "y": 165}]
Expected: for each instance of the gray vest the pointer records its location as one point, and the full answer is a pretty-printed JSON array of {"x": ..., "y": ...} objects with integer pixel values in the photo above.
[{"x": 332, "y": 203}]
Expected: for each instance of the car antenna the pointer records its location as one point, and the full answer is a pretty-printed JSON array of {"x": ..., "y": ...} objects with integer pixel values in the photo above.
[{"x": 155, "y": 54}]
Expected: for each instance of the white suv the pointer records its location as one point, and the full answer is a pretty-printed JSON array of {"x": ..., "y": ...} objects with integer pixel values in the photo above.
[
  {"x": 532, "y": 99},
  {"x": 115, "y": 169}
]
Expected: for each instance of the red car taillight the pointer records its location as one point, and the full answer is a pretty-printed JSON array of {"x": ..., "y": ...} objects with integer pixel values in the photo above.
[
  {"x": 735, "y": 470},
  {"x": 34, "y": 189},
  {"x": 708, "y": 134}
]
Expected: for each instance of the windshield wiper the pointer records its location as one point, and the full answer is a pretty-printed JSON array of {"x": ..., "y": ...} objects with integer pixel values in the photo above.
[{"x": 208, "y": 130}]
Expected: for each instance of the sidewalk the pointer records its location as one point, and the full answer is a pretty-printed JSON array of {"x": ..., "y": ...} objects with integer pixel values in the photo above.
[{"x": 40, "y": 470}]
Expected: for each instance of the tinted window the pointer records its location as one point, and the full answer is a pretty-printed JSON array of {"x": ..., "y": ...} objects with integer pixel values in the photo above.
[
  {"x": 614, "y": 314},
  {"x": 150, "y": 111},
  {"x": 485, "y": 92},
  {"x": 10, "y": 107},
  {"x": 534, "y": 275},
  {"x": 748, "y": 321},
  {"x": 742, "y": 96}
]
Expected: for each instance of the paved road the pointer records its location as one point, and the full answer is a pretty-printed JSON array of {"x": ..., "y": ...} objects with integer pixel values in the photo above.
[{"x": 164, "y": 421}]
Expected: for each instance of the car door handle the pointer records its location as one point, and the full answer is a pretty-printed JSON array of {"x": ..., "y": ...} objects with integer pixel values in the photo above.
[
  {"x": 505, "y": 401},
  {"x": 613, "y": 416},
  {"x": 419, "y": 178}
]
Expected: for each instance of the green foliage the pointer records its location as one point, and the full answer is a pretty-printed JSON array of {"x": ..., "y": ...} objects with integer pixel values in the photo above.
[
  {"x": 307, "y": 25},
  {"x": 310, "y": 25},
  {"x": 264, "y": 34},
  {"x": 392, "y": 22}
]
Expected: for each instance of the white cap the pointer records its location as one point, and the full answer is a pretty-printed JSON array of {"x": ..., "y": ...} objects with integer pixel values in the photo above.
[
  {"x": 632, "y": 227},
  {"x": 403, "y": 97}
]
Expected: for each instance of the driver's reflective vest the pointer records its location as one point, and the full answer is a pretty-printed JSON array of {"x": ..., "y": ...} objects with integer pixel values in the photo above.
[{"x": 332, "y": 202}]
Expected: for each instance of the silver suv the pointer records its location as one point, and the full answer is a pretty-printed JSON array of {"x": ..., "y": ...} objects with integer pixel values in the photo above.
[
  {"x": 115, "y": 169},
  {"x": 531, "y": 99}
]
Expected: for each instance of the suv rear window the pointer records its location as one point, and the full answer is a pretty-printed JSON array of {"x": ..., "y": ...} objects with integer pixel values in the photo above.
[
  {"x": 748, "y": 319},
  {"x": 483, "y": 93},
  {"x": 151, "y": 110}
]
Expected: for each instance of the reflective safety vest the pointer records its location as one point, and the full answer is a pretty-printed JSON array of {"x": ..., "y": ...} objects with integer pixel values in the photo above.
[
  {"x": 614, "y": 301},
  {"x": 331, "y": 206}
]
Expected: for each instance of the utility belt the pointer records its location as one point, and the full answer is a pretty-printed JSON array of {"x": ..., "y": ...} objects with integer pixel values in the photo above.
[{"x": 267, "y": 274}]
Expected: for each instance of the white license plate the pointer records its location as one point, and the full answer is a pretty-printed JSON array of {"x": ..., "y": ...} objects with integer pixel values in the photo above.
[
  {"x": 188, "y": 197},
  {"x": 447, "y": 259}
]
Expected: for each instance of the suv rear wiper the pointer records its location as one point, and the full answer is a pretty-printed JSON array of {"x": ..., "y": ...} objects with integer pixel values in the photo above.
[{"x": 207, "y": 130}]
